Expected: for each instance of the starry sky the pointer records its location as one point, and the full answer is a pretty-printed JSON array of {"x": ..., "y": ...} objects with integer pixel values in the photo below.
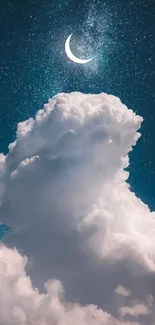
[{"x": 119, "y": 34}]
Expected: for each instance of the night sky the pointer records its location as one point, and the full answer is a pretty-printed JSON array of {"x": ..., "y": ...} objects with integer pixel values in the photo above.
[{"x": 34, "y": 66}]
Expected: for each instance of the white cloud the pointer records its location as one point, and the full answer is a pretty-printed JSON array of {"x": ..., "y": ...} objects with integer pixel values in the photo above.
[
  {"x": 21, "y": 304},
  {"x": 120, "y": 290},
  {"x": 136, "y": 310},
  {"x": 63, "y": 191}
]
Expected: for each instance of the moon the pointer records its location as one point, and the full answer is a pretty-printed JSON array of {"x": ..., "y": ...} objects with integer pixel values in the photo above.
[{"x": 70, "y": 55}]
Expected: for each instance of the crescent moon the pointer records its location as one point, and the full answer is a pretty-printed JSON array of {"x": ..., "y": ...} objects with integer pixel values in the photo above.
[{"x": 71, "y": 56}]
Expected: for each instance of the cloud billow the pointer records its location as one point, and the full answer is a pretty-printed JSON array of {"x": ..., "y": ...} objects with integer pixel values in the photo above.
[{"x": 64, "y": 193}]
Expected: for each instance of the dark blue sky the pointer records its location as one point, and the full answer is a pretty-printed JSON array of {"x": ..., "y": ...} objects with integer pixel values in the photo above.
[{"x": 34, "y": 66}]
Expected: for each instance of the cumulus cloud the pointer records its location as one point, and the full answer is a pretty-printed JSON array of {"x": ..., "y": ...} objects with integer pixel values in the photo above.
[
  {"x": 20, "y": 303},
  {"x": 122, "y": 291},
  {"x": 136, "y": 310},
  {"x": 64, "y": 192}
]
